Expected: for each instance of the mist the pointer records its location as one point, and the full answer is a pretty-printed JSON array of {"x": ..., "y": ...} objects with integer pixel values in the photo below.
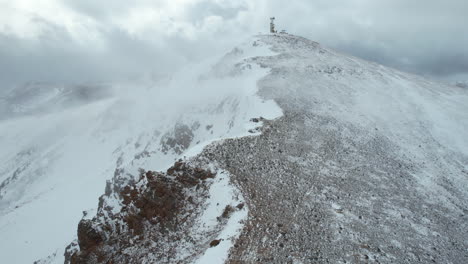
[{"x": 63, "y": 41}]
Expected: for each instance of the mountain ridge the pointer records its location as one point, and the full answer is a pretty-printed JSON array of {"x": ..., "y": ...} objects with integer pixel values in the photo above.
[
  {"x": 339, "y": 178},
  {"x": 335, "y": 159}
]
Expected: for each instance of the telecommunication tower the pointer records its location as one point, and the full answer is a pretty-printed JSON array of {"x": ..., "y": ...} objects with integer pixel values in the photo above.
[{"x": 272, "y": 25}]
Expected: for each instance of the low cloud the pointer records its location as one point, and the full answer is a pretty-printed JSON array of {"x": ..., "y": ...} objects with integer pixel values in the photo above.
[{"x": 75, "y": 41}]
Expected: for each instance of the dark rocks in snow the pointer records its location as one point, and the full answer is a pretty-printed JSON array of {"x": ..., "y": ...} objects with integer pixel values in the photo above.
[
  {"x": 179, "y": 139},
  {"x": 255, "y": 130},
  {"x": 227, "y": 211},
  {"x": 89, "y": 236},
  {"x": 257, "y": 120},
  {"x": 157, "y": 212},
  {"x": 215, "y": 242}
]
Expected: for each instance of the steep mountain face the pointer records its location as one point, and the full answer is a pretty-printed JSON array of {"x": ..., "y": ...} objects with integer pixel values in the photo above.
[
  {"x": 55, "y": 163},
  {"x": 290, "y": 153}
]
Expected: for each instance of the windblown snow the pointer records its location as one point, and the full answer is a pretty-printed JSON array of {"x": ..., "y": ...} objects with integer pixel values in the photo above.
[
  {"x": 56, "y": 156},
  {"x": 337, "y": 159}
]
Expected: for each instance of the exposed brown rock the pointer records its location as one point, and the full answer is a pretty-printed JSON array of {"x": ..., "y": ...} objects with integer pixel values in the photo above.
[
  {"x": 240, "y": 206},
  {"x": 156, "y": 209},
  {"x": 215, "y": 242},
  {"x": 227, "y": 211},
  {"x": 88, "y": 236}
]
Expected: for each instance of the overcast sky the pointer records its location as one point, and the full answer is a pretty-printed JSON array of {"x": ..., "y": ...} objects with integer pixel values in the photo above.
[{"x": 105, "y": 40}]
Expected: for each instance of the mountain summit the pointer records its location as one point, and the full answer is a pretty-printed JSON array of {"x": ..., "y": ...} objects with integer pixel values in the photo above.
[{"x": 292, "y": 153}]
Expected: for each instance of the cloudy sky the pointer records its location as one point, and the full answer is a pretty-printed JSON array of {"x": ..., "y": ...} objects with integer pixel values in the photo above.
[{"x": 89, "y": 40}]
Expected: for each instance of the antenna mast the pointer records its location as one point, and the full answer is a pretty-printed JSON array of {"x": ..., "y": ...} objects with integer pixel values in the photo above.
[{"x": 272, "y": 25}]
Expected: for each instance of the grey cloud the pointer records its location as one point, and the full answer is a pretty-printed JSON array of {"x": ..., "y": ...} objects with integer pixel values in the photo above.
[
  {"x": 56, "y": 57},
  {"x": 446, "y": 65},
  {"x": 426, "y": 37},
  {"x": 101, "y": 9},
  {"x": 200, "y": 10}
]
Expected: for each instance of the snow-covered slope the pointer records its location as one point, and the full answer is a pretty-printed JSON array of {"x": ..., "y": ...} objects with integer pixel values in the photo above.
[
  {"x": 361, "y": 163},
  {"x": 55, "y": 162}
]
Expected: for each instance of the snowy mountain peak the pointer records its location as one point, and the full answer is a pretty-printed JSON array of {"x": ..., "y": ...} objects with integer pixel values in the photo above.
[{"x": 279, "y": 151}]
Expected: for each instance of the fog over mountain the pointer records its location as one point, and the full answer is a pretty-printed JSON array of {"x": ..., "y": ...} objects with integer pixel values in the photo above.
[
  {"x": 76, "y": 41},
  {"x": 185, "y": 131}
]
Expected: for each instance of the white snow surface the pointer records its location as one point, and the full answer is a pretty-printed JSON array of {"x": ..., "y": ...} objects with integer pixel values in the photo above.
[
  {"x": 54, "y": 164},
  {"x": 222, "y": 194}
]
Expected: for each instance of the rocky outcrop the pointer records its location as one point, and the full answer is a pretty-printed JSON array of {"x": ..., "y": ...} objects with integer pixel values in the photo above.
[{"x": 156, "y": 217}]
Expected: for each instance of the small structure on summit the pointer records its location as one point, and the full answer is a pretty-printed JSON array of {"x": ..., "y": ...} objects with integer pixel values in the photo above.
[{"x": 272, "y": 25}]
